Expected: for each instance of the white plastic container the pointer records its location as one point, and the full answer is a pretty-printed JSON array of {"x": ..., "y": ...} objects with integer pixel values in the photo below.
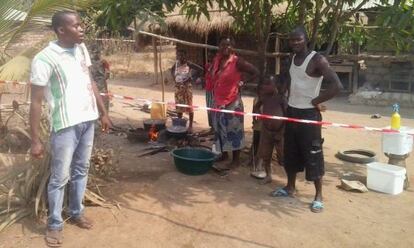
[
  {"x": 398, "y": 143},
  {"x": 385, "y": 178}
]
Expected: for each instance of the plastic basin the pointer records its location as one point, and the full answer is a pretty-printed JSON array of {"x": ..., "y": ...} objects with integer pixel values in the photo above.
[{"x": 193, "y": 161}]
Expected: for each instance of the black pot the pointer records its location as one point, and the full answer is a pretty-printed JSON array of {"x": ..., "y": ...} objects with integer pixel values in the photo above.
[
  {"x": 159, "y": 124},
  {"x": 177, "y": 132}
]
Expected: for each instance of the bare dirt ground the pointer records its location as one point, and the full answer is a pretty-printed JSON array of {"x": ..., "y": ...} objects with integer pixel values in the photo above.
[{"x": 161, "y": 207}]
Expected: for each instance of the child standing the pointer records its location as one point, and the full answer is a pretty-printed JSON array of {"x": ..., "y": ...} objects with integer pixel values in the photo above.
[
  {"x": 184, "y": 73},
  {"x": 273, "y": 103}
]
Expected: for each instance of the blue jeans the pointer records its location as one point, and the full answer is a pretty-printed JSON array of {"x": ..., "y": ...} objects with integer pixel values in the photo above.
[{"x": 71, "y": 150}]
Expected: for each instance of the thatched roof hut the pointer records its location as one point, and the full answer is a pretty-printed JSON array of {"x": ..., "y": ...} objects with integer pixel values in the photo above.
[
  {"x": 208, "y": 31},
  {"x": 219, "y": 21},
  {"x": 204, "y": 30}
]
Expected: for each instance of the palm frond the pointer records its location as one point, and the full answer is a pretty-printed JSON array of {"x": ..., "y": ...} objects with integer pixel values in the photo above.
[
  {"x": 18, "y": 68},
  {"x": 35, "y": 17}
]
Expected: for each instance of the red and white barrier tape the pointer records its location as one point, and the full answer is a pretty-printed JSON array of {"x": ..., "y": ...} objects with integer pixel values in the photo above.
[
  {"x": 195, "y": 107},
  {"x": 321, "y": 123}
]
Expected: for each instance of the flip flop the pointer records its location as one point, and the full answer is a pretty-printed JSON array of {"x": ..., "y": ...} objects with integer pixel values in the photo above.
[
  {"x": 81, "y": 222},
  {"x": 316, "y": 206},
  {"x": 54, "y": 238},
  {"x": 280, "y": 192}
]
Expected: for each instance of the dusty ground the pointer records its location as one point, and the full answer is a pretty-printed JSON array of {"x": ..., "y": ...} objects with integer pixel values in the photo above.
[{"x": 162, "y": 208}]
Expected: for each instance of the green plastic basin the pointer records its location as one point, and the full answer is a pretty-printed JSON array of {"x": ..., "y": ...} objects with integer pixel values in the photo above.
[{"x": 193, "y": 161}]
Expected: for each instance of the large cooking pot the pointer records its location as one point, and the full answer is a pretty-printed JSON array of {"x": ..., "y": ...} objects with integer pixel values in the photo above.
[
  {"x": 158, "y": 123},
  {"x": 178, "y": 132}
]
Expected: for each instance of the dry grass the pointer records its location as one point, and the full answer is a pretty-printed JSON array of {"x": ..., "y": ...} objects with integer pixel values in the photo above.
[{"x": 23, "y": 186}]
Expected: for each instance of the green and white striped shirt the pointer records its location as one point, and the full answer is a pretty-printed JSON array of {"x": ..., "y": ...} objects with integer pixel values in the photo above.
[{"x": 68, "y": 89}]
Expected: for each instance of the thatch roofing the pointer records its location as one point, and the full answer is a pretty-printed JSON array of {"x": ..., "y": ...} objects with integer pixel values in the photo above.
[{"x": 219, "y": 20}]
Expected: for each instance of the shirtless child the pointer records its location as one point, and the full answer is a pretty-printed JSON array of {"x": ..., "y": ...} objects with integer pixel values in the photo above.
[{"x": 273, "y": 103}]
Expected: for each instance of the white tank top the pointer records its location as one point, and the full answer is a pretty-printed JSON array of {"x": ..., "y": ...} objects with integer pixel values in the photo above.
[{"x": 303, "y": 88}]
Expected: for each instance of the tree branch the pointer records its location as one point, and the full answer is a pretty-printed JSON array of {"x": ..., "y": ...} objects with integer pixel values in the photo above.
[{"x": 352, "y": 12}]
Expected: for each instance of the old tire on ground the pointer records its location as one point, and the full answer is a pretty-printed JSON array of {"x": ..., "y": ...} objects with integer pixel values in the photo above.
[{"x": 347, "y": 155}]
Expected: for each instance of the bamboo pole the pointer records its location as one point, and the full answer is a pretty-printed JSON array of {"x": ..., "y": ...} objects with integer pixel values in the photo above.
[
  {"x": 154, "y": 46},
  {"x": 161, "y": 72},
  {"x": 193, "y": 44},
  {"x": 351, "y": 57},
  {"x": 277, "y": 49},
  {"x": 205, "y": 49}
]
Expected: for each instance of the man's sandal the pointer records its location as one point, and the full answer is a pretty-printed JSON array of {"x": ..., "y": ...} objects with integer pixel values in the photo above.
[
  {"x": 81, "y": 222},
  {"x": 280, "y": 192},
  {"x": 316, "y": 206},
  {"x": 54, "y": 238}
]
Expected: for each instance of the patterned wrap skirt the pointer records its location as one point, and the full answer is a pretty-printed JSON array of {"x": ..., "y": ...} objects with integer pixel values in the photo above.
[{"x": 230, "y": 128}]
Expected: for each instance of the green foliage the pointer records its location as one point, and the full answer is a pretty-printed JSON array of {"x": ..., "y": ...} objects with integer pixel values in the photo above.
[
  {"x": 116, "y": 15},
  {"x": 38, "y": 15},
  {"x": 396, "y": 27},
  {"x": 288, "y": 20},
  {"x": 31, "y": 16}
]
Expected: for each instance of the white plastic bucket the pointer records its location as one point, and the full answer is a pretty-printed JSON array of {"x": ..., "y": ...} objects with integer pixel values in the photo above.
[
  {"x": 385, "y": 178},
  {"x": 398, "y": 143}
]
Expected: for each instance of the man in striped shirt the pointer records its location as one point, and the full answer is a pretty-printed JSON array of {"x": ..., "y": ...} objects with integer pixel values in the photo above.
[{"x": 60, "y": 74}]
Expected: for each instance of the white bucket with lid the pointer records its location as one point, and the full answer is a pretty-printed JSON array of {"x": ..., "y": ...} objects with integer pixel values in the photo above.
[
  {"x": 398, "y": 143},
  {"x": 385, "y": 178}
]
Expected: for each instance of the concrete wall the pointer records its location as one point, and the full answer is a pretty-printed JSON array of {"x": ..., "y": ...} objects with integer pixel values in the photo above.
[
  {"x": 384, "y": 83},
  {"x": 390, "y": 77},
  {"x": 377, "y": 74}
]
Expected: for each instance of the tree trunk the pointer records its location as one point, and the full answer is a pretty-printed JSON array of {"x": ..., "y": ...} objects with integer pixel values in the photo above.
[
  {"x": 260, "y": 37},
  {"x": 396, "y": 3},
  {"x": 266, "y": 33},
  {"x": 154, "y": 47},
  {"x": 332, "y": 38},
  {"x": 302, "y": 13},
  {"x": 339, "y": 18},
  {"x": 335, "y": 26},
  {"x": 136, "y": 36},
  {"x": 315, "y": 24}
]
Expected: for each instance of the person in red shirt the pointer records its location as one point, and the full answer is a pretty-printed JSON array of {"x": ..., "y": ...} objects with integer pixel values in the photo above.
[{"x": 226, "y": 77}]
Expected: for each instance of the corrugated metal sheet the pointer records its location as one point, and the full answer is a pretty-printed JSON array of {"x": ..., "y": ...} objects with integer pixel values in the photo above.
[{"x": 369, "y": 4}]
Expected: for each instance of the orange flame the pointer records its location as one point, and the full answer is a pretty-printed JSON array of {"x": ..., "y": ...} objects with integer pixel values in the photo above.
[{"x": 153, "y": 134}]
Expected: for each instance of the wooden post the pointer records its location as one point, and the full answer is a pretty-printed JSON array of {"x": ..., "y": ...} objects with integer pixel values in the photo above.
[
  {"x": 205, "y": 49},
  {"x": 154, "y": 46},
  {"x": 162, "y": 73},
  {"x": 277, "y": 49},
  {"x": 355, "y": 72}
]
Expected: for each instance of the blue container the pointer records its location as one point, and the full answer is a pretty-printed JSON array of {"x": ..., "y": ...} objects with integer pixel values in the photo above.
[
  {"x": 193, "y": 161},
  {"x": 179, "y": 122}
]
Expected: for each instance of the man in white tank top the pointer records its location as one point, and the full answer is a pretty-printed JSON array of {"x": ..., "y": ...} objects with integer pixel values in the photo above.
[{"x": 303, "y": 142}]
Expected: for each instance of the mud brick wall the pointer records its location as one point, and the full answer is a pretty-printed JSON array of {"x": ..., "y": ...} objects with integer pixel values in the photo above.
[
  {"x": 396, "y": 76},
  {"x": 377, "y": 73}
]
